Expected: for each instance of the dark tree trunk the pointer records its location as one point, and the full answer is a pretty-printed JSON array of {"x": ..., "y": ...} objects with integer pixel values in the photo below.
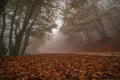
[
  {"x": 11, "y": 29},
  {"x": 3, "y": 49},
  {"x": 20, "y": 35},
  {"x": 17, "y": 27},
  {"x": 26, "y": 39},
  {"x": 3, "y": 4}
]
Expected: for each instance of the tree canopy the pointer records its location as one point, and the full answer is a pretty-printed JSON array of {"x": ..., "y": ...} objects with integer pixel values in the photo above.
[{"x": 84, "y": 19}]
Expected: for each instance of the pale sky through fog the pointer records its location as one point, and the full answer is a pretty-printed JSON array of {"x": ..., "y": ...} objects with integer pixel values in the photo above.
[{"x": 57, "y": 42}]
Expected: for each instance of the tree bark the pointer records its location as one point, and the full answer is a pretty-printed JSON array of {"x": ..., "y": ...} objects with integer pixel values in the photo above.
[
  {"x": 3, "y": 4},
  {"x": 20, "y": 35},
  {"x": 11, "y": 29},
  {"x": 25, "y": 42},
  {"x": 3, "y": 49}
]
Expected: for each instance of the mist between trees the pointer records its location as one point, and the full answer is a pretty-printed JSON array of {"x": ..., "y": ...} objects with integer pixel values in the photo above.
[
  {"x": 90, "y": 20},
  {"x": 83, "y": 20}
]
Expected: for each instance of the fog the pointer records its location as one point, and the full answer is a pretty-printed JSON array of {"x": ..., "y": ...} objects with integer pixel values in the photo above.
[
  {"x": 57, "y": 42},
  {"x": 94, "y": 27},
  {"x": 58, "y": 26}
]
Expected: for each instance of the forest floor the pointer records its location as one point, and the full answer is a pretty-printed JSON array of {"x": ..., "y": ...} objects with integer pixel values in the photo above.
[{"x": 60, "y": 67}]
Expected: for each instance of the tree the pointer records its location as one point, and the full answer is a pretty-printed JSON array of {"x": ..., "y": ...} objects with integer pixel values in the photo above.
[
  {"x": 84, "y": 16},
  {"x": 3, "y": 4},
  {"x": 3, "y": 49},
  {"x": 22, "y": 17}
]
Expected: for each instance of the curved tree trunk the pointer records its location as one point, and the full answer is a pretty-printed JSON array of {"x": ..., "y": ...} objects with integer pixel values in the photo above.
[{"x": 26, "y": 38}]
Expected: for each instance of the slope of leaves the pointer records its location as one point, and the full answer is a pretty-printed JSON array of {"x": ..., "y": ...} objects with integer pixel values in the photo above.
[{"x": 60, "y": 67}]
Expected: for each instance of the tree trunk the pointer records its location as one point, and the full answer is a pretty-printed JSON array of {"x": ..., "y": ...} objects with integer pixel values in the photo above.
[
  {"x": 3, "y": 4},
  {"x": 3, "y": 49},
  {"x": 11, "y": 29},
  {"x": 102, "y": 30},
  {"x": 26, "y": 39},
  {"x": 19, "y": 38}
]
